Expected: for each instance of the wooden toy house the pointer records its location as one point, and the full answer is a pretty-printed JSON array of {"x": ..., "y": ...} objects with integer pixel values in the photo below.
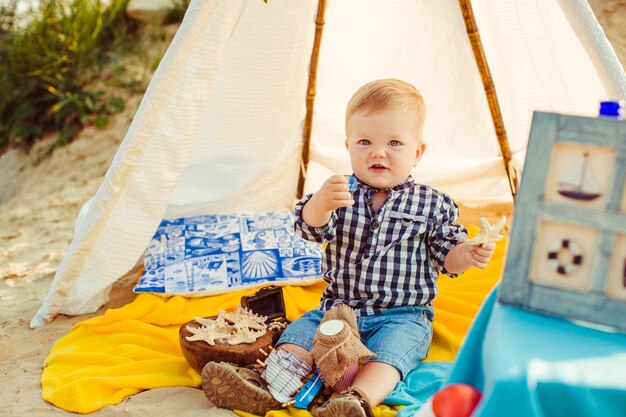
[{"x": 567, "y": 251}]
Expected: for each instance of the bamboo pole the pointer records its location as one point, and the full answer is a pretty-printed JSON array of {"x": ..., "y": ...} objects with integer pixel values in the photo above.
[
  {"x": 310, "y": 98},
  {"x": 490, "y": 91}
]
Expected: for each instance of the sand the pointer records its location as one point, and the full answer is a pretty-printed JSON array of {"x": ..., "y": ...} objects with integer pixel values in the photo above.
[{"x": 38, "y": 206}]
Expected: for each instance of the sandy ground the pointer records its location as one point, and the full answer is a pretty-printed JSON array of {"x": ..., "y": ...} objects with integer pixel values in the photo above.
[{"x": 38, "y": 205}]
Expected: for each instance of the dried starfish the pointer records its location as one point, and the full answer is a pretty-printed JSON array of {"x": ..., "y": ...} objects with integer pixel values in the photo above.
[
  {"x": 244, "y": 335},
  {"x": 488, "y": 233},
  {"x": 209, "y": 332},
  {"x": 240, "y": 326},
  {"x": 245, "y": 318}
]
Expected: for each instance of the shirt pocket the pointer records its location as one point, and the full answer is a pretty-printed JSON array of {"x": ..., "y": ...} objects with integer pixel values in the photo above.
[{"x": 403, "y": 226}]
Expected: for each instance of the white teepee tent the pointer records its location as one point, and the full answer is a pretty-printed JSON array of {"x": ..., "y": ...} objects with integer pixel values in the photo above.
[{"x": 221, "y": 126}]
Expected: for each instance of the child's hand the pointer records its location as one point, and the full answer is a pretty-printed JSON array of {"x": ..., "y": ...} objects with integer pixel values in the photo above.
[
  {"x": 479, "y": 255},
  {"x": 333, "y": 194}
]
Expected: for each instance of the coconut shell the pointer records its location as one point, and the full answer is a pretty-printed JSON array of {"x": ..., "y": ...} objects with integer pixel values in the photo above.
[{"x": 198, "y": 353}]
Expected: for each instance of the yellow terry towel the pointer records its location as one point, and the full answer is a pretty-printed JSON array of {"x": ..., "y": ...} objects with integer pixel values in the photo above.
[{"x": 105, "y": 359}]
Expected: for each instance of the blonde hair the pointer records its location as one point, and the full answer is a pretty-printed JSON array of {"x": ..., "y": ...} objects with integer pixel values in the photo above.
[{"x": 389, "y": 94}]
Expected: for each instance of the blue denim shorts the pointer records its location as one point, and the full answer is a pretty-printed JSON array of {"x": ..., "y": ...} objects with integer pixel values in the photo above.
[{"x": 399, "y": 336}]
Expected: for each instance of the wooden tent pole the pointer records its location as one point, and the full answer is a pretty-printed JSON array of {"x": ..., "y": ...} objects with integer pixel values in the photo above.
[
  {"x": 310, "y": 98},
  {"x": 490, "y": 91}
]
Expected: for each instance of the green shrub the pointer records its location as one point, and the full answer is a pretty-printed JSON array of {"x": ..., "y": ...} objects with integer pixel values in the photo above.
[
  {"x": 47, "y": 65},
  {"x": 177, "y": 13},
  {"x": 7, "y": 17}
]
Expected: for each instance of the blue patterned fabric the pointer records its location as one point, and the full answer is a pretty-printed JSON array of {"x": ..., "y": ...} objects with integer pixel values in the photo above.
[{"x": 219, "y": 253}]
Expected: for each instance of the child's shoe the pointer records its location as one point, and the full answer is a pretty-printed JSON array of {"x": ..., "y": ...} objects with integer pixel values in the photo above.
[
  {"x": 350, "y": 403},
  {"x": 233, "y": 387}
]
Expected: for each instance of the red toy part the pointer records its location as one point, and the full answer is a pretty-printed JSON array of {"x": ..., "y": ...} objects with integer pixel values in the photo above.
[{"x": 456, "y": 400}]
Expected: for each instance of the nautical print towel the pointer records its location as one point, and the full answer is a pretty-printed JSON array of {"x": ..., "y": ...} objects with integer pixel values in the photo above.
[{"x": 215, "y": 254}]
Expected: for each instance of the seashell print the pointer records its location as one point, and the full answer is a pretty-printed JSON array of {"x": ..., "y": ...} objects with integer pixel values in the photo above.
[{"x": 259, "y": 264}]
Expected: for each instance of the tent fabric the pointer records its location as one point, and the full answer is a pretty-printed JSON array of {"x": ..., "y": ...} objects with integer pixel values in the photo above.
[
  {"x": 220, "y": 126},
  {"x": 105, "y": 359}
]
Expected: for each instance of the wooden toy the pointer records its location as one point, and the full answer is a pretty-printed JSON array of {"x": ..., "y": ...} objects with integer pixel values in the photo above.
[{"x": 567, "y": 251}]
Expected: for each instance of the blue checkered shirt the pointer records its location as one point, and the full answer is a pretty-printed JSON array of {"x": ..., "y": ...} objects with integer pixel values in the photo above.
[{"x": 389, "y": 258}]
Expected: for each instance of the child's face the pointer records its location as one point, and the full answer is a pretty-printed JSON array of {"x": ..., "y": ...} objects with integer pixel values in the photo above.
[{"x": 384, "y": 147}]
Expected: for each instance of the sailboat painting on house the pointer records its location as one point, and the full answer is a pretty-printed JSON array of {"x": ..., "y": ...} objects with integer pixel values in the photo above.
[
  {"x": 579, "y": 175},
  {"x": 579, "y": 184}
]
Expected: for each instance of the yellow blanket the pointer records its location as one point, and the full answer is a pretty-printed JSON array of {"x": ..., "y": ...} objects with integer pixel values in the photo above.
[{"x": 105, "y": 359}]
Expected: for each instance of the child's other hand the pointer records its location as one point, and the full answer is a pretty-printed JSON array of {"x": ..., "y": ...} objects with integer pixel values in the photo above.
[
  {"x": 333, "y": 194},
  {"x": 479, "y": 255}
]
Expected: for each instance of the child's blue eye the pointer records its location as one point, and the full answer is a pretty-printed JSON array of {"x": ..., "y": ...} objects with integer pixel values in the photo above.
[
  {"x": 395, "y": 143},
  {"x": 364, "y": 142}
]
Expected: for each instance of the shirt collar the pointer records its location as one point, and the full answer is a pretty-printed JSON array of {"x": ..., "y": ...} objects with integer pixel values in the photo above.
[{"x": 408, "y": 183}]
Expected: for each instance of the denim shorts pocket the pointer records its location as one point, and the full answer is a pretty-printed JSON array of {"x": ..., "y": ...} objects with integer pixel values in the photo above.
[
  {"x": 420, "y": 350},
  {"x": 428, "y": 312},
  {"x": 402, "y": 339}
]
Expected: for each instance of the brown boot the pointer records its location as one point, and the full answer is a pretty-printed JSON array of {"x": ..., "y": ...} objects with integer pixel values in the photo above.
[
  {"x": 232, "y": 387},
  {"x": 350, "y": 403}
]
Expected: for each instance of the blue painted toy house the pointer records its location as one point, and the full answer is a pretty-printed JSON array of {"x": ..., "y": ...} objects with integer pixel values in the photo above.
[{"x": 567, "y": 253}]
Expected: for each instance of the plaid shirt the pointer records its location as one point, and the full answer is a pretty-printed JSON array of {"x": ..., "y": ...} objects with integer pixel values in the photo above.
[{"x": 389, "y": 258}]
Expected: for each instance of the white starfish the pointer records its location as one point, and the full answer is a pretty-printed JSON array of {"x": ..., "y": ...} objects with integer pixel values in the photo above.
[
  {"x": 240, "y": 326},
  {"x": 488, "y": 233}
]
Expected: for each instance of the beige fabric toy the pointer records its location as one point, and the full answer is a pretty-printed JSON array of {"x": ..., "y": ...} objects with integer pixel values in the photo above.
[
  {"x": 337, "y": 345},
  {"x": 343, "y": 312}
]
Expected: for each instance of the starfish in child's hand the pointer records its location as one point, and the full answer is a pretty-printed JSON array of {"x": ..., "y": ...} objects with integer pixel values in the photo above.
[{"x": 488, "y": 233}]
